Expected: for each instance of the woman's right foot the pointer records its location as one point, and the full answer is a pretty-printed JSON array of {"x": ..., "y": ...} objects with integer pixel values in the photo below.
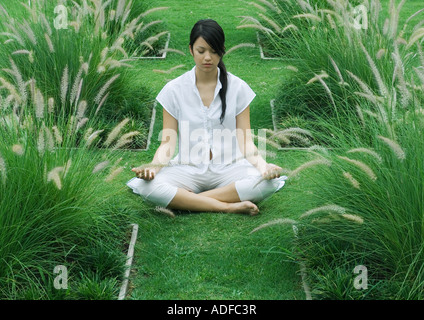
[{"x": 246, "y": 207}]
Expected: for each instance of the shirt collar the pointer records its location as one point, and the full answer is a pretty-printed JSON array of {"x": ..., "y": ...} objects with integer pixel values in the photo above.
[{"x": 193, "y": 79}]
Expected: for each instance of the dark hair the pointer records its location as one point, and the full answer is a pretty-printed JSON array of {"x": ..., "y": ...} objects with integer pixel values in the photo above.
[{"x": 213, "y": 34}]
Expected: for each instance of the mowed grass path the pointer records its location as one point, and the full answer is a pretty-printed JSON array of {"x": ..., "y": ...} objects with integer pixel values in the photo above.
[{"x": 212, "y": 255}]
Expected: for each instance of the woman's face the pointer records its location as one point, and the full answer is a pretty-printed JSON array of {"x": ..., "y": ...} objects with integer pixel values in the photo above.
[{"x": 205, "y": 57}]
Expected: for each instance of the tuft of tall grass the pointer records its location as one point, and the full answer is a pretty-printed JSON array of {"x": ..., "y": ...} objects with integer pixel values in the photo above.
[
  {"x": 57, "y": 208},
  {"x": 89, "y": 60},
  {"x": 364, "y": 207}
]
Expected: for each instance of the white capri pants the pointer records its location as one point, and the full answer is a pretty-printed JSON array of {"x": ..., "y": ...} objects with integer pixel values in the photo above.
[{"x": 162, "y": 189}]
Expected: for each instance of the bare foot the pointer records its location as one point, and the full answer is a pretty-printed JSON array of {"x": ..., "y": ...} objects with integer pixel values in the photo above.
[{"x": 244, "y": 207}]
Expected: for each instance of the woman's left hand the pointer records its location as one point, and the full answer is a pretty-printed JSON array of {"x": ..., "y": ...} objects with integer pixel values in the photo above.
[{"x": 271, "y": 171}]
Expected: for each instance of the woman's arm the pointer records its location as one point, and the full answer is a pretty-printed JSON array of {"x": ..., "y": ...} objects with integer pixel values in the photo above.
[
  {"x": 249, "y": 149},
  {"x": 164, "y": 152}
]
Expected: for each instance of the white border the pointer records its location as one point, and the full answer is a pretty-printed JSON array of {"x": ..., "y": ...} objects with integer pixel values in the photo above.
[
  {"x": 261, "y": 51},
  {"x": 130, "y": 255},
  {"x": 151, "y": 127}
]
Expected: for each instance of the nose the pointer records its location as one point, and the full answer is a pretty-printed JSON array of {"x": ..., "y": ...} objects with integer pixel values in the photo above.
[{"x": 208, "y": 56}]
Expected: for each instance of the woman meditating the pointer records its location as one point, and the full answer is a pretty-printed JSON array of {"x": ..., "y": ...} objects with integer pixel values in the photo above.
[{"x": 218, "y": 167}]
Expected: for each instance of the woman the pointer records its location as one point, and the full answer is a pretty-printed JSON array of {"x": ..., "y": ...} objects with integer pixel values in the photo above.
[{"x": 218, "y": 167}]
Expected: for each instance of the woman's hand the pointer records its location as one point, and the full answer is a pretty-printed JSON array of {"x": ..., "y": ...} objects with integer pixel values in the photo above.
[
  {"x": 146, "y": 173},
  {"x": 271, "y": 171}
]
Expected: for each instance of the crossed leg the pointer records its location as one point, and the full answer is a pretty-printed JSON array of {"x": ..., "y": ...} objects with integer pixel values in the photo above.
[{"x": 223, "y": 199}]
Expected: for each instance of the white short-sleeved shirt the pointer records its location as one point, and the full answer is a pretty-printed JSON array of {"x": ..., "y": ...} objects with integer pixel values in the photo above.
[{"x": 199, "y": 128}]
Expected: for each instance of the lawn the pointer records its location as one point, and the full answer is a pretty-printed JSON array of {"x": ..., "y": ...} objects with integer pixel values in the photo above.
[{"x": 202, "y": 256}]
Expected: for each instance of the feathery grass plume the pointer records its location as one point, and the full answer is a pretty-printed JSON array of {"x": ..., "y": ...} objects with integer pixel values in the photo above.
[
  {"x": 67, "y": 167},
  {"x": 39, "y": 104},
  {"x": 331, "y": 207},
  {"x": 92, "y": 137},
  {"x": 256, "y": 26},
  {"x": 119, "y": 9},
  {"x": 100, "y": 166},
  {"x": 366, "y": 169},
  {"x": 81, "y": 123},
  {"x": 77, "y": 83},
  {"x": 268, "y": 141},
  {"x": 271, "y": 6},
  {"x": 114, "y": 173},
  {"x": 101, "y": 103},
  {"x": 258, "y": 6},
  {"x": 318, "y": 150},
  {"x": 396, "y": 148},
  {"x": 16, "y": 37},
  {"x": 241, "y": 45},
  {"x": 271, "y": 22},
  {"x": 309, "y": 164},
  {"x": 3, "y": 170},
  {"x": 336, "y": 68},
  {"x": 352, "y": 180},
  {"x": 82, "y": 106},
  {"x": 275, "y": 222},
  {"x": 296, "y": 130},
  {"x": 141, "y": 28},
  {"x": 172, "y": 50},
  {"x": 170, "y": 70},
  {"x": 286, "y": 135},
  {"x": 420, "y": 74},
  {"x": 353, "y": 217},
  {"x": 165, "y": 211},
  {"x": 361, "y": 83},
  {"x": 367, "y": 151},
  {"x": 18, "y": 149},
  {"x": 381, "y": 53},
  {"x": 106, "y": 86},
  {"x": 64, "y": 85},
  {"x": 416, "y": 35},
  {"x": 153, "y": 10},
  {"x": 399, "y": 72},
  {"x": 41, "y": 142},
  {"x": 292, "y": 68},
  {"x": 316, "y": 77},
  {"x": 382, "y": 87},
  {"x": 49, "y": 142},
  {"x": 125, "y": 139},
  {"x": 308, "y": 16},
  {"x": 57, "y": 135},
  {"x": 289, "y": 27},
  {"x": 50, "y": 105},
  {"x": 29, "y": 53},
  {"x": 49, "y": 43},
  {"x": 306, "y": 6},
  {"x": 26, "y": 28},
  {"x": 45, "y": 23},
  {"x": 420, "y": 54},
  {"x": 54, "y": 176},
  {"x": 115, "y": 132},
  {"x": 19, "y": 80},
  {"x": 327, "y": 89}
]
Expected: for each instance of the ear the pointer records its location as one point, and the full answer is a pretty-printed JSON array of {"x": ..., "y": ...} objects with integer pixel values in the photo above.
[{"x": 191, "y": 50}]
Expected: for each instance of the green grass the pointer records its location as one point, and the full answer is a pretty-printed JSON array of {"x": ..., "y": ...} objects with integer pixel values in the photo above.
[{"x": 209, "y": 255}]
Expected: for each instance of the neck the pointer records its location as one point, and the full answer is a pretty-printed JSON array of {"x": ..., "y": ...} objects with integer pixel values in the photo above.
[{"x": 206, "y": 77}]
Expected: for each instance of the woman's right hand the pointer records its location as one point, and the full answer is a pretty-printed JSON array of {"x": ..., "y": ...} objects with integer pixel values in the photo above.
[{"x": 145, "y": 172}]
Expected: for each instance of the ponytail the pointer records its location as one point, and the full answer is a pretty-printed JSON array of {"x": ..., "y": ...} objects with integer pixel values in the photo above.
[{"x": 223, "y": 77}]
